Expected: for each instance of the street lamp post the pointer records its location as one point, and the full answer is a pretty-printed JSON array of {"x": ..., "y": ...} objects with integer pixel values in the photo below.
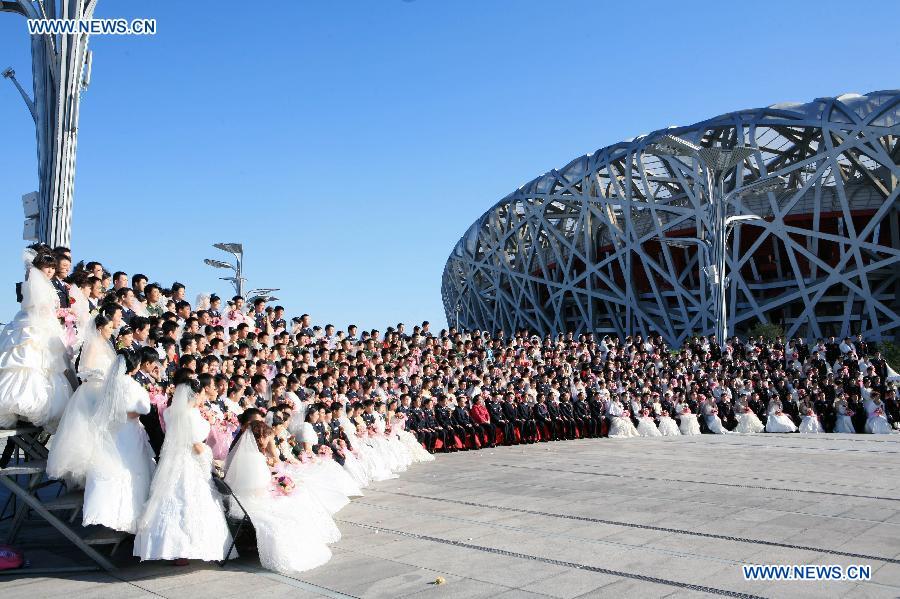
[
  {"x": 237, "y": 250},
  {"x": 716, "y": 162}
]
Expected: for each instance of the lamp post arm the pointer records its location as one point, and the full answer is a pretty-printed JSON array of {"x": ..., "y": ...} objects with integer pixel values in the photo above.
[{"x": 11, "y": 75}]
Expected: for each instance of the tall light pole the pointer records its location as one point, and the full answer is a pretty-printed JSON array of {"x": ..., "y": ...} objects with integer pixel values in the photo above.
[
  {"x": 60, "y": 71},
  {"x": 716, "y": 163},
  {"x": 237, "y": 250}
]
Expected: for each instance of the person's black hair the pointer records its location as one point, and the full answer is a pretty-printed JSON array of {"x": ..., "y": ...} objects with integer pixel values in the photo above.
[
  {"x": 151, "y": 286},
  {"x": 101, "y": 321},
  {"x": 138, "y": 277},
  {"x": 245, "y": 416},
  {"x": 139, "y": 322},
  {"x": 132, "y": 359},
  {"x": 61, "y": 249},
  {"x": 182, "y": 304},
  {"x": 205, "y": 379},
  {"x": 121, "y": 292},
  {"x": 118, "y": 274},
  {"x": 184, "y": 375},
  {"x": 176, "y": 286},
  {"x": 43, "y": 260},
  {"x": 195, "y": 385},
  {"x": 109, "y": 309},
  {"x": 90, "y": 266},
  {"x": 258, "y": 301},
  {"x": 236, "y": 298},
  {"x": 148, "y": 355}
]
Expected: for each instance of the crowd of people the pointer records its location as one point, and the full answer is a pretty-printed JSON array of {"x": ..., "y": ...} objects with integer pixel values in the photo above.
[{"x": 148, "y": 397}]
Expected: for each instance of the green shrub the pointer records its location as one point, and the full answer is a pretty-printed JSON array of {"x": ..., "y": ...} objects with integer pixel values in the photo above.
[{"x": 766, "y": 330}]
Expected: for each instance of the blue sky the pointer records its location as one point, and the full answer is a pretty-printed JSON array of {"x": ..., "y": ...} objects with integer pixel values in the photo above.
[{"x": 348, "y": 145}]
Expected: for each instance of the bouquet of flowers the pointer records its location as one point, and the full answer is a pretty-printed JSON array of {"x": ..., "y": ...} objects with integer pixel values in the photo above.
[
  {"x": 809, "y": 412},
  {"x": 68, "y": 319},
  {"x": 207, "y": 414},
  {"x": 229, "y": 421},
  {"x": 665, "y": 413},
  {"x": 851, "y": 413},
  {"x": 626, "y": 414},
  {"x": 879, "y": 412},
  {"x": 779, "y": 413},
  {"x": 284, "y": 484},
  {"x": 645, "y": 412},
  {"x": 747, "y": 410},
  {"x": 325, "y": 451},
  {"x": 685, "y": 410}
]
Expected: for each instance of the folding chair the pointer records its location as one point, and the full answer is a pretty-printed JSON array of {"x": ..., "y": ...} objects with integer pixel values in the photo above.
[{"x": 225, "y": 489}]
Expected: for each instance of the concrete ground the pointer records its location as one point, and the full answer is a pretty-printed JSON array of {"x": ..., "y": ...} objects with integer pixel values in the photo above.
[{"x": 672, "y": 517}]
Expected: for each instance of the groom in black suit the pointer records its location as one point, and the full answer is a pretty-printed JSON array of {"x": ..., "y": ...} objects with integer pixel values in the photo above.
[{"x": 149, "y": 360}]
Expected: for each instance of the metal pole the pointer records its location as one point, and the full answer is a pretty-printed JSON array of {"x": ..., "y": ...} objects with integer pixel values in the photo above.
[{"x": 239, "y": 275}]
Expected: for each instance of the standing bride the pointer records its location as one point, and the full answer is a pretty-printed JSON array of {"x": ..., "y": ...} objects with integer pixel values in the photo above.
[
  {"x": 183, "y": 518},
  {"x": 72, "y": 447},
  {"x": 119, "y": 474},
  {"x": 33, "y": 383}
]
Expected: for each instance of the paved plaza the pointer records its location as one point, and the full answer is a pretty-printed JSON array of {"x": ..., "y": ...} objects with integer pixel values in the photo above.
[{"x": 669, "y": 517}]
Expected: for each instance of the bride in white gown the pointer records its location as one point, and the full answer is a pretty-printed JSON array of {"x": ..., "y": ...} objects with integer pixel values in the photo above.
[
  {"x": 646, "y": 427},
  {"x": 620, "y": 425},
  {"x": 777, "y": 421},
  {"x": 687, "y": 422},
  {"x": 843, "y": 417},
  {"x": 747, "y": 421},
  {"x": 72, "y": 447},
  {"x": 292, "y": 528},
  {"x": 667, "y": 426},
  {"x": 810, "y": 422},
  {"x": 33, "y": 384},
  {"x": 877, "y": 422},
  {"x": 120, "y": 471},
  {"x": 183, "y": 518}
]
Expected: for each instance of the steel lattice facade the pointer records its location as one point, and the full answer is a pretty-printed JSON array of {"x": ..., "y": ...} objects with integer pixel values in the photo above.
[{"x": 577, "y": 249}]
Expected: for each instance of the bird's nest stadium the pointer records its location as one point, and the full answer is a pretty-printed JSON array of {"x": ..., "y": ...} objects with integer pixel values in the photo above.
[{"x": 613, "y": 241}]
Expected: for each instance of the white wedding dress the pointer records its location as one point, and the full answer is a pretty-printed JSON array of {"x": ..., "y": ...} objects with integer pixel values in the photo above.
[
  {"x": 747, "y": 421},
  {"x": 647, "y": 428},
  {"x": 376, "y": 469},
  {"x": 843, "y": 422},
  {"x": 415, "y": 449},
  {"x": 779, "y": 423},
  {"x": 183, "y": 517},
  {"x": 620, "y": 426},
  {"x": 877, "y": 424},
  {"x": 667, "y": 427},
  {"x": 688, "y": 424},
  {"x": 713, "y": 422},
  {"x": 72, "y": 447},
  {"x": 33, "y": 383},
  {"x": 810, "y": 423},
  {"x": 119, "y": 474},
  {"x": 293, "y": 530}
]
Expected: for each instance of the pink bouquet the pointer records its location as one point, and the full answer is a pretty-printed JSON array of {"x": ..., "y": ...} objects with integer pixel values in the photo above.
[
  {"x": 68, "y": 319},
  {"x": 809, "y": 412},
  {"x": 879, "y": 412},
  {"x": 325, "y": 451},
  {"x": 747, "y": 410},
  {"x": 686, "y": 410},
  {"x": 626, "y": 414},
  {"x": 284, "y": 484},
  {"x": 851, "y": 413}
]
